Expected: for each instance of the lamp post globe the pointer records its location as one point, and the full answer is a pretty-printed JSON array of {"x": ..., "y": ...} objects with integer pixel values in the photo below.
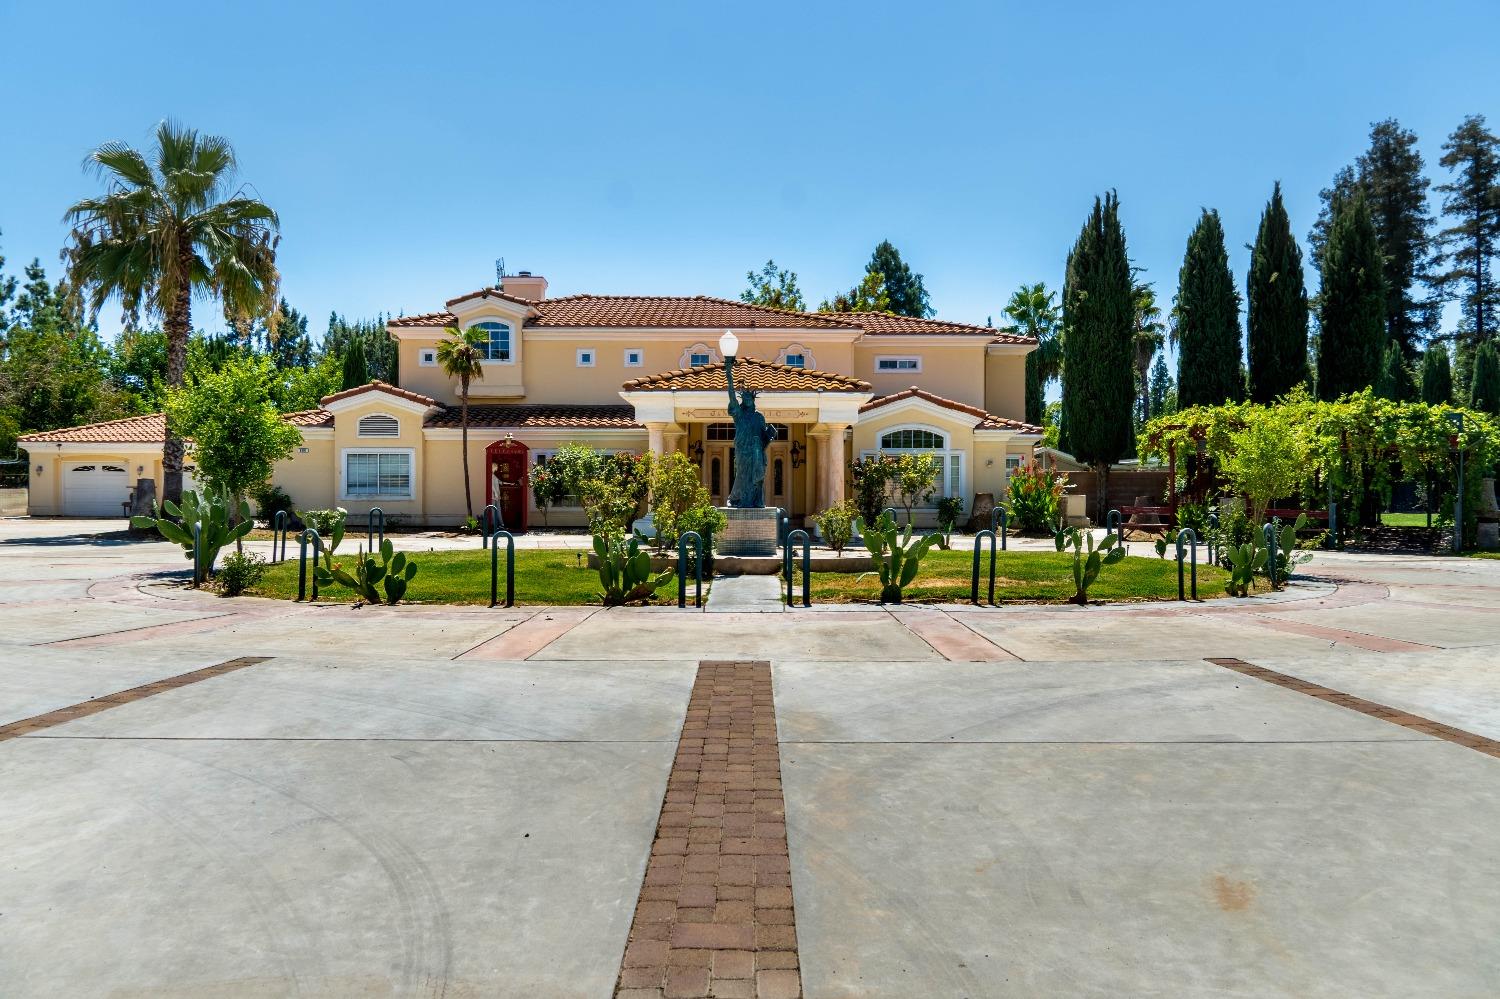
[{"x": 729, "y": 344}]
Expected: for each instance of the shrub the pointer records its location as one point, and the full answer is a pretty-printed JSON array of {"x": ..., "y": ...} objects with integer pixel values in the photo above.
[
  {"x": 625, "y": 570},
  {"x": 1035, "y": 498},
  {"x": 271, "y": 500},
  {"x": 610, "y": 487},
  {"x": 211, "y": 511},
  {"x": 1087, "y": 559},
  {"x": 949, "y": 509},
  {"x": 915, "y": 479},
  {"x": 1195, "y": 516},
  {"x": 394, "y": 571},
  {"x": 240, "y": 571},
  {"x": 836, "y": 525},
  {"x": 897, "y": 557},
  {"x": 872, "y": 478},
  {"x": 330, "y": 527},
  {"x": 679, "y": 503},
  {"x": 547, "y": 488}
]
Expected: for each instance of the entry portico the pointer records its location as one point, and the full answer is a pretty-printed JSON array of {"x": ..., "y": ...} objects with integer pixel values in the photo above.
[{"x": 686, "y": 410}]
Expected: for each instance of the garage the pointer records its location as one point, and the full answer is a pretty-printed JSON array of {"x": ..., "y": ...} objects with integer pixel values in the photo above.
[{"x": 94, "y": 489}]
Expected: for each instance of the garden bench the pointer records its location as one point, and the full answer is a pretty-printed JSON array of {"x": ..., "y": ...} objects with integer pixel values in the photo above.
[{"x": 1163, "y": 519}]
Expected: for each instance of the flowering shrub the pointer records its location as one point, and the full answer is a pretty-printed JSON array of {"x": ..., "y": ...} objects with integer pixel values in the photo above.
[{"x": 1035, "y": 497}]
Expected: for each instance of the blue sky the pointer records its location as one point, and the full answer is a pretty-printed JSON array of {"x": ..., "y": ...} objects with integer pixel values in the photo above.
[{"x": 668, "y": 148}]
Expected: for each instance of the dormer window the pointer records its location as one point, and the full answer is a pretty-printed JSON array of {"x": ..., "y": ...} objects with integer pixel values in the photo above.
[
  {"x": 497, "y": 341},
  {"x": 700, "y": 360}
]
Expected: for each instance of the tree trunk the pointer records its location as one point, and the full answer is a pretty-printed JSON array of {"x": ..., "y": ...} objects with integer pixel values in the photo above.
[
  {"x": 1102, "y": 475},
  {"x": 178, "y": 327},
  {"x": 464, "y": 422}
]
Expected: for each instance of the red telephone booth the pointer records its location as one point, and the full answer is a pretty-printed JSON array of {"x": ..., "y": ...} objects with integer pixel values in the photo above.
[{"x": 508, "y": 481}]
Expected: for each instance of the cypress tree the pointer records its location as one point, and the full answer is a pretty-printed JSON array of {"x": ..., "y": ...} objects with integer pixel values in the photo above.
[
  {"x": 1484, "y": 389},
  {"x": 355, "y": 371},
  {"x": 1437, "y": 376},
  {"x": 1099, "y": 316},
  {"x": 1396, "y": 382},
  {"x": 1277, "y": 307},
  {"x": 1208, "y": 320},
  {"x": 1036, "y": 402},
  {"x": 1352, "y": 314}
]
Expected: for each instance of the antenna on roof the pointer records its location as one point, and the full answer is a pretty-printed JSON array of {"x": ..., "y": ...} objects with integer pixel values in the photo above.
[{"x": 499, "y": 271}]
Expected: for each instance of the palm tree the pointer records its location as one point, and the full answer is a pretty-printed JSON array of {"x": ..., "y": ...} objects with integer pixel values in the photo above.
[
  {"x": 1033, "y": 313},
  {"x": 162, "y": 232},
  {"x": 461, "y": 354},
  {"x": 1150, "y": 334}
]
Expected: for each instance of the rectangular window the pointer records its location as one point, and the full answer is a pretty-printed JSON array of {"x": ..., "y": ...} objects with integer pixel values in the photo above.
[
  {"x": 634, "y": 357},
  {"x": 699, "y": 360},
  {"x": 796, "y": 361},
  {"x": 497, "y": 341},
  {"x": 377, "y": 474},
  {"x": 898, "y": 364},
  {"x": 585, "y": 357},
  {"x": 427, "y": 358}
]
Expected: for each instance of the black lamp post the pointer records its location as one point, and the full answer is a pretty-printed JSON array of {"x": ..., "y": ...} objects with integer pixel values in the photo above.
[{"x": 1457, "y": 419}]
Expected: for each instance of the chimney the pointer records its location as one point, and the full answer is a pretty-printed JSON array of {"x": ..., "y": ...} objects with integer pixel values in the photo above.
[{"x": 524, "y": 285}]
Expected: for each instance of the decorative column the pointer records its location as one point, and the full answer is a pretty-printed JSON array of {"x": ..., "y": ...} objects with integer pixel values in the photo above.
[
  {"x": 654, "y": 437},
  {"x": 833, "y": 466},
  {"x": 672, "y": 435},
  {"x": 817, "y": 482}
]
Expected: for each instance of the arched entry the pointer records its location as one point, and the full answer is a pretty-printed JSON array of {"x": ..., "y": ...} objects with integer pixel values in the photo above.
[{"x": 507, "y": 481}]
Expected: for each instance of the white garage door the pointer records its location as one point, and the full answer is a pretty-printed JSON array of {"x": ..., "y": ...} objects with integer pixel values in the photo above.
[{"x": 94, "y": 490}]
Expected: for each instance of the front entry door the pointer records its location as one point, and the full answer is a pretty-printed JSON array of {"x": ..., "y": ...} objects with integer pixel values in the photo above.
[
  {"x": 718, "y": 471},
  {"x": 508, "y": 461},
  {"x": 778, "y": 490}
]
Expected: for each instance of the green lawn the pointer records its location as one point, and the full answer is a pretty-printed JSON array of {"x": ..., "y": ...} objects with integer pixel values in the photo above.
[
  {"x": 1027, "y": 577},
  {"x": 1406, "y": 519},
  {"x": 546, "y": 576}
]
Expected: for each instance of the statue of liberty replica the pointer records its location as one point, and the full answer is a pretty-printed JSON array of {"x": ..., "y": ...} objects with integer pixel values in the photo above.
[{"x": 752, "y": 528}]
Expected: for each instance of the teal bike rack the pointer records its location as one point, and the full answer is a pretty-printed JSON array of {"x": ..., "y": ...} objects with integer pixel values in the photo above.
[
  {"x": 510, "y": 568},
  {"x": 974, "y": 576},
  {"x": 786, "y": 567},
  {"x": 682, "y": 543},
  {"x": 308, "y": 535}
]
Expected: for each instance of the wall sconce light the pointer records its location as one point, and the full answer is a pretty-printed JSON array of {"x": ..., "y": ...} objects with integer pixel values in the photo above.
[
  {"x": 695, "y": 452},
  {"x": 797, "y": 455},
  {"x": 39, "y": 469},
  {"x": 140, "y": 470}
]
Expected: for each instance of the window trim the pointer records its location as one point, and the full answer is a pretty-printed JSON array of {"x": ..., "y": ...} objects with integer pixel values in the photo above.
[
  {"x": 427, "y": 357},
  {"x": 579, "y": 357},
  {"x": 411, "y": 473},
  {"x": 686, "y": 359},
  {"x": 359, "y": 427},
  {"x": 808, "y": 361},
  {"x": 510, "y": 339},
  {"x": 897, "y": 358},
  {"x": 640, "y": 357}
]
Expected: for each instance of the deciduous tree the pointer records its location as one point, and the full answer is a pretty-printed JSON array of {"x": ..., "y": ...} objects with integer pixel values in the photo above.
[{"x": 774, "y": 288}]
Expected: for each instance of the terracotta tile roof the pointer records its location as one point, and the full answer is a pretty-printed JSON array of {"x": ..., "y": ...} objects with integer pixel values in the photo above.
[
  {"x": 985, "y": 420},
  {"x": 885, "y": 324},
  {"x": 645, "y": 312},
  {"x": 490, "y": 293},
  {"x": 378, "y": 386},
  {"x": 536, "y": 416},
  {"x": 148, "y": 429},
  {"x": 425, "y": 319},
  {"x": 652, "y": 311},
  {"x": 749, "y": 372}
]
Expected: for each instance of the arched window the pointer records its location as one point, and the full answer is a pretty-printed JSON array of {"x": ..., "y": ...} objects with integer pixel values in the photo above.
[
  {"x": 379, "y": 425},
  {"x": 497, "y": 342},
  {"x": 912, "y": 439},
  {"x": 949, "y": 480},
  {"x": 697, "y": 356},
  {"x": 794, "y": 355}
]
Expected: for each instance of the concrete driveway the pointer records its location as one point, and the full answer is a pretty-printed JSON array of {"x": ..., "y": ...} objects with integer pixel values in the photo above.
[{"x": 1295, "y": 796}]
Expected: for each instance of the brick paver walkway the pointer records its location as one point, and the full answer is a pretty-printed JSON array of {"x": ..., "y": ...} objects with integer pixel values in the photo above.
[{"x": 715, "y": 913}]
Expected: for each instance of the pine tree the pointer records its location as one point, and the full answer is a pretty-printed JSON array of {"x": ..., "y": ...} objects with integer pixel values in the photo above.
[
  {"x": 1352, "y": 311},
  {"x": 1163, "y": 393},
  {"x": 290, "y": 347},
  {"x": 1395, "y": 382},
  {"x": 1484, "y": 389},
  {"x": 1396, "y": 191},
  {"x": 7, "y": 291},
  {"x": 1472, "y": 200},
  {"x": 1277, "y": 307},
  {"x": 1437, "y": 376},
  {"x": 904, "y": 289},
  {"x": 1208, "y": 320},
  {"x": 1098, "y": 316},
  {"x": 355, "y": 371}
]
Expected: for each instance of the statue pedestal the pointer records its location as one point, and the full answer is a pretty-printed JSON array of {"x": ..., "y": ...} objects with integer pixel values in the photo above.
[{"x": 750, "y": 531}]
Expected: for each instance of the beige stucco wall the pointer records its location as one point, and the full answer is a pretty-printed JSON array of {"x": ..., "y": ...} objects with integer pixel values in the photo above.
[
  {"x": 308, "y": 478},
  {"x": 346, "y": 437},
  {"x": 954, "y": 371},
  {"x": 1005, "y": 385},
  {"x": 45, "y": 493}
]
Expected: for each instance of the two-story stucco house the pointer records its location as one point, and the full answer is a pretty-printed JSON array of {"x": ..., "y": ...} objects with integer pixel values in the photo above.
[{"x": 616, "y": 372}]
